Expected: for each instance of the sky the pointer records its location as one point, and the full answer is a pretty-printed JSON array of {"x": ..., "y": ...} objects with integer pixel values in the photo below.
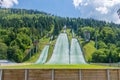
[{"x": 96, "y": 9}]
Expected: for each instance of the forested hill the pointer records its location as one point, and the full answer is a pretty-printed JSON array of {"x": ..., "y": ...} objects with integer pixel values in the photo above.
[
  {"x": 19, "y": 28},
  {"x": 24, "y": 18}
]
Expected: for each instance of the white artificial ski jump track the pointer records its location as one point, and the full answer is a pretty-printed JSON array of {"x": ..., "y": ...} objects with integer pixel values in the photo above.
[
  {"x": 76, "y": 55},
  {"x": 61, "y": 51},
  {"x": 43, "y": 57}
]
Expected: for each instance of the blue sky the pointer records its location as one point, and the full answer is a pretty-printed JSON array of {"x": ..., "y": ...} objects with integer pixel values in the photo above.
[
  {"x": 57, "y": 7},
  {"x": 96, "y": 9}
]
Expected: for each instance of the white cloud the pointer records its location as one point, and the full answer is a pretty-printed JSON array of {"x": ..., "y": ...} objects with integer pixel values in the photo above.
[
  {"x": 103, "y": 10},
  {"x": 9, "y": 3},
  {"x": 98, "y": 9},
  {"x": 77, "y": 2}
]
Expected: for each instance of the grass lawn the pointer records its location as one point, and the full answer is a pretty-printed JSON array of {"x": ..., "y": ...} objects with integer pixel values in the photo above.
[{"x": 46, "y": 66}]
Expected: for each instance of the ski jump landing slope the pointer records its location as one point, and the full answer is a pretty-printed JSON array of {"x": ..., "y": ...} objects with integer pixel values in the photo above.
[
  {"x": 43, "y": 57},
  {"x": 76, "y": 55},
  {"x": 61, "y": 51}
]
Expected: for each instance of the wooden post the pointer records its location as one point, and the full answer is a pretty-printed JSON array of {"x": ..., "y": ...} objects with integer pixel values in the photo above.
[
  {"x": 80, "y": 74},
  {"x": 1, "y": 74},
  {"x": 53, "y": 74},
  {"x": 118, "y": 74},
  {"x": 26, "y": 74},
  {"x": 108, "y": 74}
]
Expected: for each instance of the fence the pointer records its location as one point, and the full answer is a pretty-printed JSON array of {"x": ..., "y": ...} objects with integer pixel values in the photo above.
[{"x": 60, "y": 74}]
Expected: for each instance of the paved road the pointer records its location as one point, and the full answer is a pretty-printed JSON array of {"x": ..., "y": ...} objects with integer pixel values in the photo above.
[
  {"x": 61, "y": 51},
  {"x": 76, "y": 55},
  {"x": 43, "y": 57}
]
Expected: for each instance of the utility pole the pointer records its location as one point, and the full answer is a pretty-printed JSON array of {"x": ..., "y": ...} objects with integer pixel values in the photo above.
[
  {"x": 118, "y": 12},
  {"x": 77, "y": 29},
  {"x": 110, "y": 57},
  {"x": 96, "y": 37},
  {"x": 1, "y": 3}
]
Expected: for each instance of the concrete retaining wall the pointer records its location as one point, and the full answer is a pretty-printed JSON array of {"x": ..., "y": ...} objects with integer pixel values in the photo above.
[{"x": 59, "y": 74}]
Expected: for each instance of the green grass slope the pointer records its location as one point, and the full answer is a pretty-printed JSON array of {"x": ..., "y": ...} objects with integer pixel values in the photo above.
[{"x": 88, "y": 50}]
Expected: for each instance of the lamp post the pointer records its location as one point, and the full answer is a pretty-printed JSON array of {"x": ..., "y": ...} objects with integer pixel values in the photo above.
[
  {"x": 110, "y": 59},
  {"x": 1, "y": 3},
  {"x": 118, "y": 12},
  {"x": 96, "y": 37}
]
